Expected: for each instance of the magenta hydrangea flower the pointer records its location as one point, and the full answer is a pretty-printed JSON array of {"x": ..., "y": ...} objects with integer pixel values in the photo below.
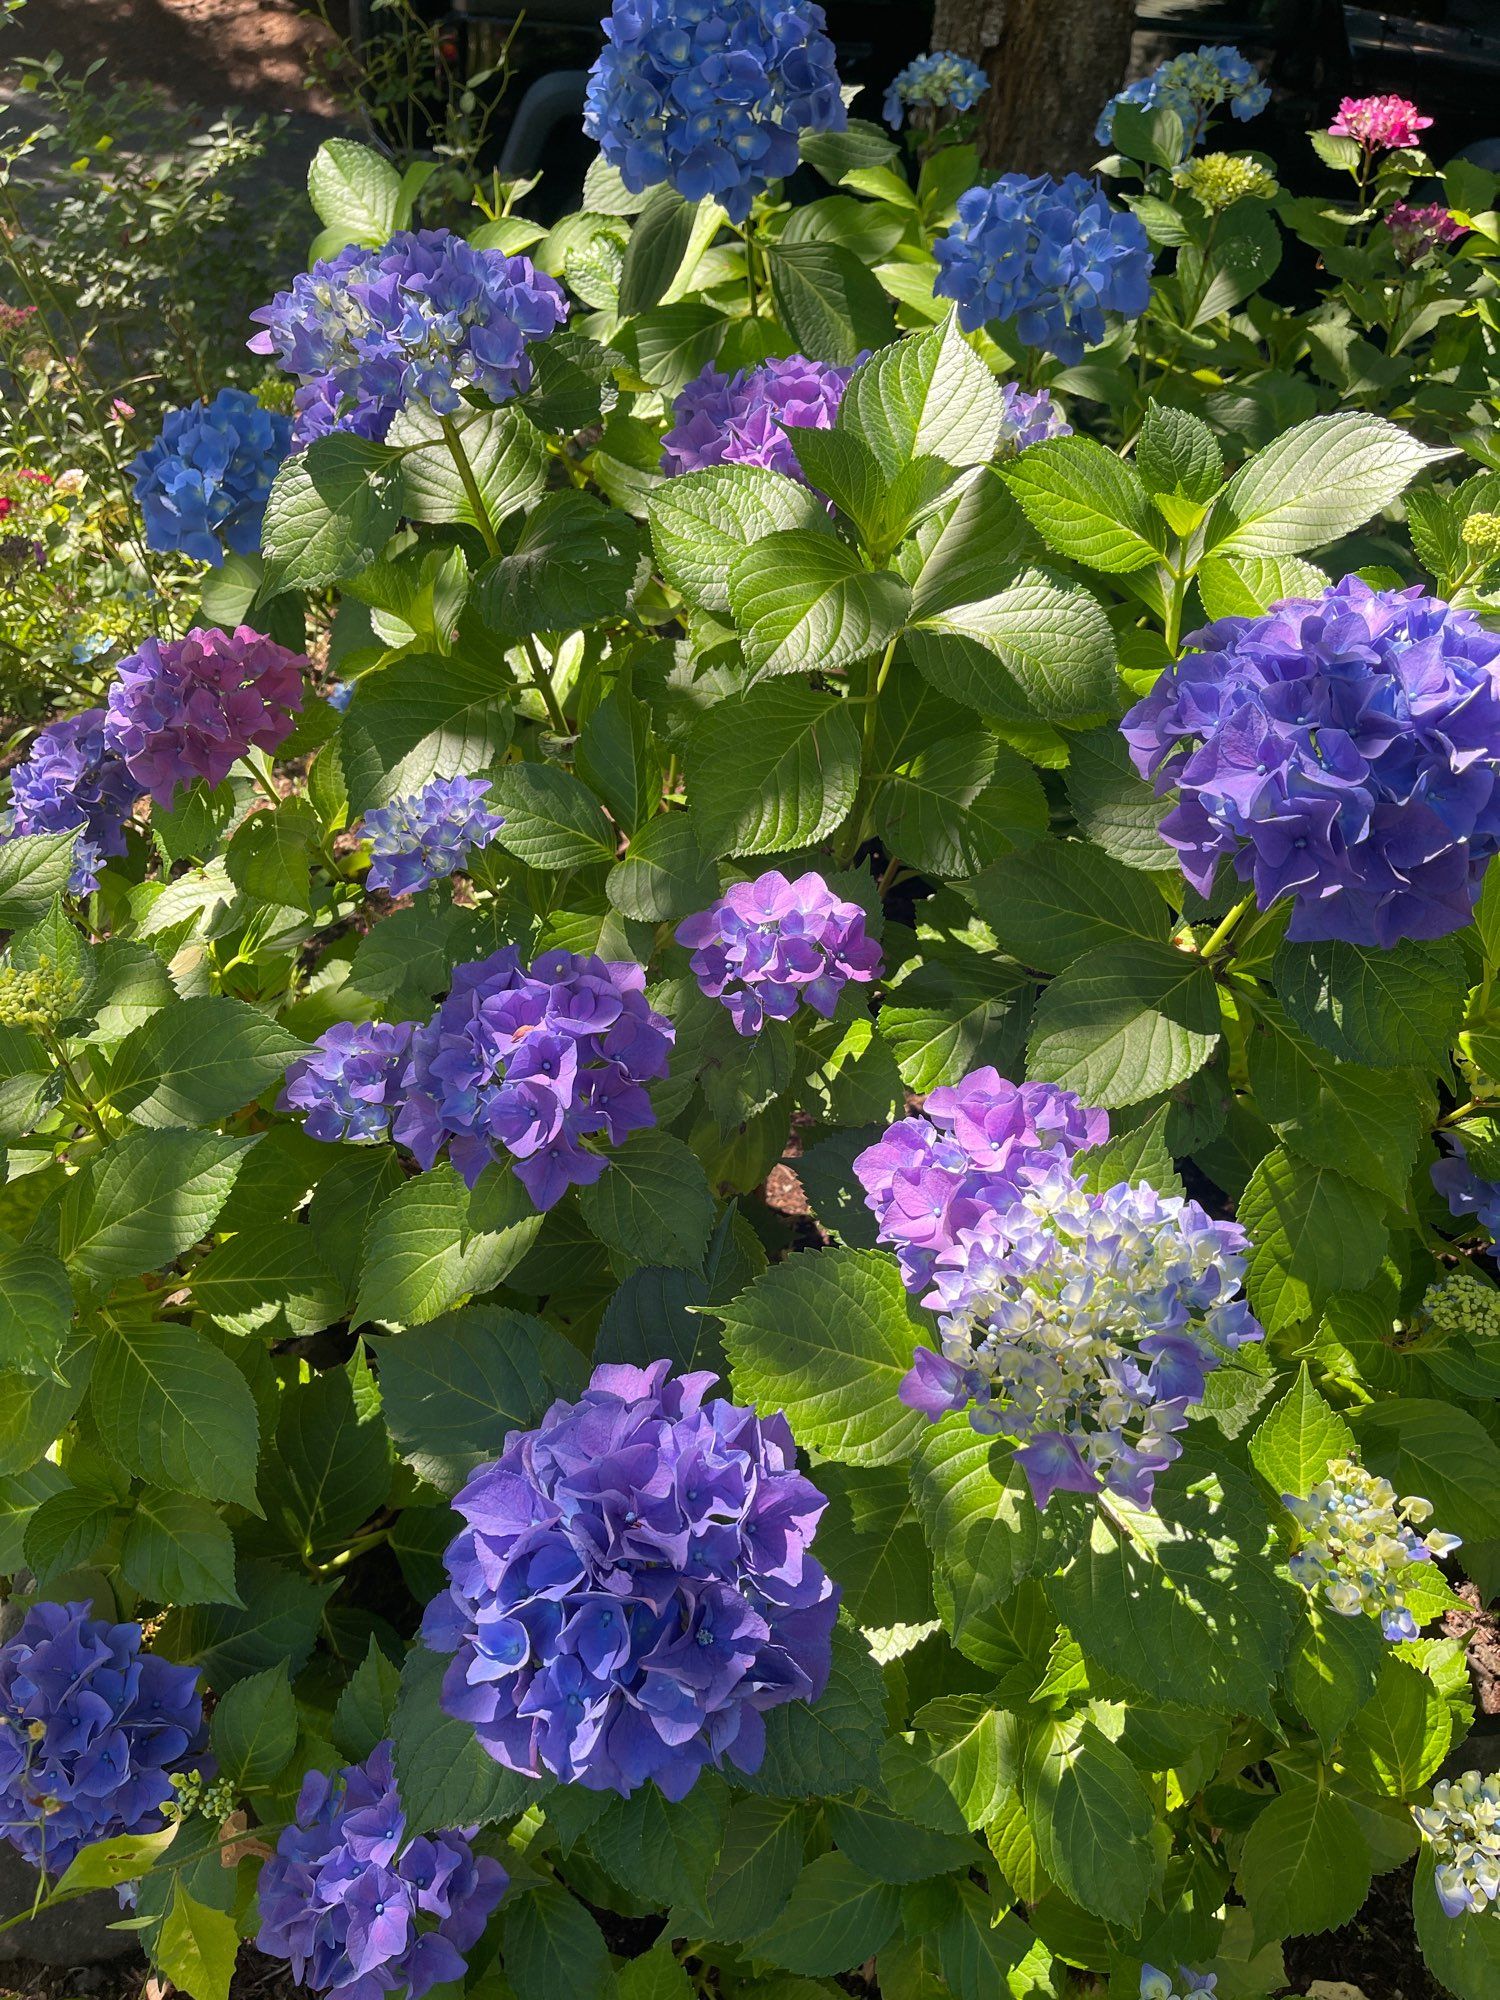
[
  {"x": 358, "y": 1908},
  {"x": 528, "y": 1064},
  {"x": 975, "y": 1146},
  {"x": 742, "y": 419},
  {"x": 72, "y": 782},
  {"x": 91, "y": 1731},
  {"x": 189, "y": 708},
  {"x": 634, "y": 1587},
  {"x": 1342, "y": 751},
  {"x": 769, "y": 946},
  {"x": 1418, "y": 230},
  {"x": 348, "y": 1085},
  {"x": 1380, "y": 124},
  {"x": 426, "y": 838}
]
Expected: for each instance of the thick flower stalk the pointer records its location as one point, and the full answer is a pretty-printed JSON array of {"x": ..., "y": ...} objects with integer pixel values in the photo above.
[
  {"x": 1358, "y": 1543},
  {"x": 1029, "y": 417},
  {"x": 941, "y": 81},
  {"x": 1085, "y": 1326},
  {"x": 71, "y": 781},
  {"x": 1420, "y": 229},
  {"x": 771, "y": 946},
  {"x": 202, "y": 486},
  {"x": 91, "y": 1731},
  {"x": 634, "y": 1587},
  {"x": 359, "y": 1909},
  {"x": 425, "y": 320},
  {"x": 528, "y": 1064},
  {"x": 1380, "y": 124},
  {"x": 417, "y": 841},
  {"x": 1194, "y": 85},
  {"x": 1342, "y": 752},
  {"x": 711, "y": 101},
  {"x": 1462, "y": 1827},
  {"x": 976, "y": 1147},
  {"x": 181, "y": 709},
  {"x": 742, "y": 419},
  {"x": 1466, "y": 1192},
  {"x": 1053, "y": 256},
  {"x": 349, "y": 1084}
]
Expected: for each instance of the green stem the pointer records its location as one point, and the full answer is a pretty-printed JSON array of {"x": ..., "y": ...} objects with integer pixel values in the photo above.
[
  {"x": 472, "y": 493},
  {"x": 1216, "y": 943},
  {"x": 85, "y": 1103},
  {"x": 544, "y": 687},
  {"x": 870, "y": 701},
  {"x": 752, "y": 289}
]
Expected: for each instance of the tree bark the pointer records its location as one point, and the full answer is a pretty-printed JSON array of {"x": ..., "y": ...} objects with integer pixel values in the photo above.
[{"x": 1051, "y": 65}]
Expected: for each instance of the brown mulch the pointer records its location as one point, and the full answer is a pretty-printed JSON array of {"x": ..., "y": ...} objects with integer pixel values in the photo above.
[
  {"x": 1481, "y": 1629},
  {"x": 1375, "y": 1951}
]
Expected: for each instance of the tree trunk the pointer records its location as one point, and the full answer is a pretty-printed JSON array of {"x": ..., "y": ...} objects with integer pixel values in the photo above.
[{"x": 1051, "y": 65}]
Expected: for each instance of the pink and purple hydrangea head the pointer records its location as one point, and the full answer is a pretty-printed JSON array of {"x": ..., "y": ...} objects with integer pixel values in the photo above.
[
  {"x": 1419, "y": 231},
  {"x": 1379, "y": 124},
  {"x": 772, "y": 946}
]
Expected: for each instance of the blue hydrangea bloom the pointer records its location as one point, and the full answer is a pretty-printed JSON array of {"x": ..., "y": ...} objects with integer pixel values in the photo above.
[
  {"x": 634, "y": 1587},
  {"x": 711, "y": 99},
  {"x": 421, "y": 320},
  {"x": 1463, "y": 1190},
  {"x": 1053, "y": 256},
  {"x": 91, "y": 1730},
  {"x": 348, "y": 1085},
  {"x": 428, "y": 837},
  {"x": 1193, "y": 85},
  {"x": 202, "y": 485},
  {"x": 1342, "y": 751},
  {"x": 71, "y": 781},
  {"x": 1030, "y": 417},
  {"x": 941, "y": 81},
  {"x": 360, "y": 1909}
]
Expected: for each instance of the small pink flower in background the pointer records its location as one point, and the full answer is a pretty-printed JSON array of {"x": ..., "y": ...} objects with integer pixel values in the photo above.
[
  {"x": 1379, "y": 123},
  {"x": 123, "y": 410},
  {"x": 1418, "y": 230},
  {"x": 14, "y": 317}
]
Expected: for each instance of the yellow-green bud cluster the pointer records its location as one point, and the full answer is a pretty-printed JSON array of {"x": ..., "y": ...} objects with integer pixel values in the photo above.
[
  {"x": 1219, "y": 180},
  {"x": 1462, "y": 1302},
  {"x": 1481, "y": 534},
  {"x": 37, "y": 999},
  {"x": 1359, "y": 1541},
  {"x": 215, "y": 1799}
]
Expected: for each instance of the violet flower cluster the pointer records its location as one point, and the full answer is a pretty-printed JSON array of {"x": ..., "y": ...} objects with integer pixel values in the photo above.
[
  {"x": 1380, "y": 124},
  {"x": 202, "y": 486},
  {"x": 1420, "y": 229},
  {"x": 421, "y": 320},
  {"x": 1029, "y": 417},
  {"x": 358, "y": 1908},
  {"x": 181, "y": 709},
  {"x": 417, "y": 841},
  {"x": 91, "y": 1731},
  {"x": 941, "y": 81},
  {"x": 1193, "y": 85},
  {"x": 711, "y": 100},
  {"x": 741, "y": 419},
  {"x": 1159, "y": 1985},
  {"x": 1462, "y": 1827},
  {"x": 976, "y": 1146},
  {"x": 72, "y": 782},
  {"x": 1341, "y": 751},
  {"x": 634, "y": 1587},
  {"x": 1466, "y": 1192},
  {"x": 770, "y": 946},
  {"x": 1358, "y": 1543},
  {"x": 1086, "y": 1327},
  {"x": 1053, "y": 256},
  {"x": 348, "y": 1085}
]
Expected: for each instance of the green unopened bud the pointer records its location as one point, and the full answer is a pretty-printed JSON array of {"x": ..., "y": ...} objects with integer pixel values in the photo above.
[
  {"x": 1219, "y": 180},
  {"x": 1463, "y": 1302},
  {"x": 1481, "y": 533},
  {"x": 37, "y": 999}
]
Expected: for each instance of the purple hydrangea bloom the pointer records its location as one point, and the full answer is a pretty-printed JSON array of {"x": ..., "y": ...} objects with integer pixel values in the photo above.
[
  {"x": 202, "y": 485},
  {"x": 975, "y": 1147},
  {"x": 425, "y": 839},
  {"x": 1053, "y": 256},
  {"x": 72, "y": 781},
  {"x": 711, "y": 100},
  {"x": 91, "y": 1730},
  {"x": 188, "y": 708},
  {"x": 1463, "y": 1190},
  {"x": 348, "y": 1085},
  {"x": 1086, "y": 1326},
  {"x": 420, "y": 320},
  {"x": 1342, "y": 751},
  {"x": 527, "y": 1064},
  {"x": 1193, "y": 85},
  {"x": 941, "y": 81},
  {"x": 741, "y": 419},
  {"x": 634, "y": 1587},
  {"x": 1029, "y": 417},
  {"x": 360, "y": 1909},
  {"x": 769, "y": 945}
]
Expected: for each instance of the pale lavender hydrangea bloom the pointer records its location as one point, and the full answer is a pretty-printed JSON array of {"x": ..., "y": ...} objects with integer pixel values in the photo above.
[
  {"x": 941, "y": 81},
  {"x": 72, "y": 782},
  {"x": 1029, "y": 417},
  {"x": 1359, "y": 1543},
  {"x": 348, "y": 1085},
  {"x": 742, "y": 419},
  {"x": 189, "y": 708},
  {"x": 1462, "y": 1826},
  {"x": 426, "y": 838},
  {"x": 770, "y": 946}
]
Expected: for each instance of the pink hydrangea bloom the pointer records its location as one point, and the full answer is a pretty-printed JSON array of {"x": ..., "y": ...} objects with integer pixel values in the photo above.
[
  {"x": 189, "y": 708},
  {"x": 1379, "y": 123},
  {"x": 1419, "y": 229}
]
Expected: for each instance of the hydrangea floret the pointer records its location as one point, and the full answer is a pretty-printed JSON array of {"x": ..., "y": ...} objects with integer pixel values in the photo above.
[
  {"x": 1028, "y": 417},
  {"x": 711, "y": 101},
  {"x": 1193, "y": 85},
  {"x": 1462, "y": 1827},
  {"x": 1219, "y": 180},
  {"x": 92, "y": 1730},
  {"x": 1358, "y": 1542},
  {"x": 1420, "y": 229},
  {"x": 202, "y": 485},
  {"x": 417, "y": 841},
  {"x": 742, "y": 419},
  {"x": 182, "y": 709},
  {"x": 941, "y": 81},
  {"x": 1159, "y": 1985},
  {"x": 1466, "y": 1192},
  {"x": 1380, "y": 124},
  {"x": 634, "y": 1587},
  {"x": 1341, "y": 751},
  {"x": 423, "y": 320},
  {"x": 348, "y": 1085},
  {"x": 768, "y": 947},
  {"x": 72, "y": 780},
  {"x": 359, "y": 1908},
  {"x": 527, "y": 1064},
  {"x": 1052, "y": 256},
  {"x": 1463, "y": 1303}
]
